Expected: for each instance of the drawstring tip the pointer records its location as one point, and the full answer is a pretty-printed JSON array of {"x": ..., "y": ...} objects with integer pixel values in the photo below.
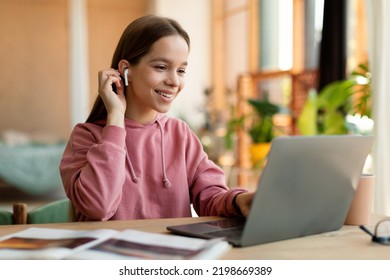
[
  {"x": 166, "y": 182},
  {"x": 135, "y": 179}
]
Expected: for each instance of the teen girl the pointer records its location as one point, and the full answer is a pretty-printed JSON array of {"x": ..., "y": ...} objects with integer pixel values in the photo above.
[{"x": 131, "y": 161}]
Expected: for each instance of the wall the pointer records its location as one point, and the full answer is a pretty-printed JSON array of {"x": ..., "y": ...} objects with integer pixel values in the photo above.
[
  {"x": 35, "y": 59},
  {"x": 34, "y": 66},
  {"x": 237, "y": 22}
]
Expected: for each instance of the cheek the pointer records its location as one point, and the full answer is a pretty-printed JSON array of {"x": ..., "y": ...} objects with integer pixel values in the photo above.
[
  {"x": 182, "y": 83},
  {"x": 154, "y": 80},
  {"x": 146, "y": 85}
]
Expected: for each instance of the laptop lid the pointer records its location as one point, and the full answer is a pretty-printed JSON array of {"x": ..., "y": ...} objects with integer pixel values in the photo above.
[{"x": 305, "y": 188}]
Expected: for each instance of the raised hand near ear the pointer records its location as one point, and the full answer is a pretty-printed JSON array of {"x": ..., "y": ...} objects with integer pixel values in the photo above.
[{"x": 115, "y": 103}]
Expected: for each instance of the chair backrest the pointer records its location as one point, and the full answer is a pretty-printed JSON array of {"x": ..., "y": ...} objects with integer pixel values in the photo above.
[
  {"x": 53, "y": 212},
  {"x": 6, "y": 217}
]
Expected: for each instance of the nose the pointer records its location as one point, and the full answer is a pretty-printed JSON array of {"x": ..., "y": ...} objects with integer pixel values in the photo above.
[{"x": 173, "y": 79}]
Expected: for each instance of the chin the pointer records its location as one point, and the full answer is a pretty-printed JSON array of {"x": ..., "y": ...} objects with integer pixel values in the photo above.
[
  {"x": 163, "y": 111},
  {"x": 163, "y": 108}
]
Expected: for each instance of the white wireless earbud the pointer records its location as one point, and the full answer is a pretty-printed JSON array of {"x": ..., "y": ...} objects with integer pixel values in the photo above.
[{"x": 125, "y": 73}]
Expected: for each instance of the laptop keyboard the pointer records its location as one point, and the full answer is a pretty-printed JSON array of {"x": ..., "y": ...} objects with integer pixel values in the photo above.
[{"x": 231, "y": 233}]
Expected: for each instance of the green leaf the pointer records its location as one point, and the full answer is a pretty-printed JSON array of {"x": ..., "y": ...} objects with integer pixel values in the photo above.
[
  {"x": 335, "y": 95},
  {"x": 307, "y": 121},
  {"x": 264, "y": 107},
  {"x": 334, "y": 124}
]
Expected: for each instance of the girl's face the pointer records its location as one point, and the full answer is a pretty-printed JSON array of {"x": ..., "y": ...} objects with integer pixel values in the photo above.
[{"x": 157, "y": 79}]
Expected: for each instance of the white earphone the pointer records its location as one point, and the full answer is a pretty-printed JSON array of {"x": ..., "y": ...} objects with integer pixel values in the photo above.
[{"x": 125, "y": 73}]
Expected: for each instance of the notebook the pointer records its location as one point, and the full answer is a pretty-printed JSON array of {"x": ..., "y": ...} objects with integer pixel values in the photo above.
[{"x": 306, "y": 188}]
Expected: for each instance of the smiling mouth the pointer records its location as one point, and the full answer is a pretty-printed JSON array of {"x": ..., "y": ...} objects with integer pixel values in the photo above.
[{"x": 165, "y": 94}]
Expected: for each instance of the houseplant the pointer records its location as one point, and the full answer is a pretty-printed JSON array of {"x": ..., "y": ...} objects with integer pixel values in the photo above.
[
  {"x": 259, "y": 126},
  {"x": 326, "y": 112},
  {"x": 262, "y": 129}
]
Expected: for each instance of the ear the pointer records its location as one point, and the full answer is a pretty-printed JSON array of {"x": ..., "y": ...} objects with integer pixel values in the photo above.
[{"x": 122, "y": 65}]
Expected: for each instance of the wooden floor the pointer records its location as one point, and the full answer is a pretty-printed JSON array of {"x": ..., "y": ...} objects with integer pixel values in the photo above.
[{"x": 10, "y": 195}]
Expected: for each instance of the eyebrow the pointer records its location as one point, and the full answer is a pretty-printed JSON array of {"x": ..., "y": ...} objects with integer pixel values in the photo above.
[{"x": 162, "y": 59}]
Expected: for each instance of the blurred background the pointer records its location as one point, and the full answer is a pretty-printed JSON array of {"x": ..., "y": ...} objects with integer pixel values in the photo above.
[{"x": 288, "y": 55}]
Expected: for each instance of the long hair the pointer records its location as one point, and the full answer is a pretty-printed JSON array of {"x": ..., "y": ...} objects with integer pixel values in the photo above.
[{"x": 135, "y": 42}]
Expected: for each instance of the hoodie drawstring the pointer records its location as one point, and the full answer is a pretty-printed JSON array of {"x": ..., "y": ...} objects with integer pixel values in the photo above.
[
  {"x": 134, "y": 177},
  {"x": 166, "y": 181}
]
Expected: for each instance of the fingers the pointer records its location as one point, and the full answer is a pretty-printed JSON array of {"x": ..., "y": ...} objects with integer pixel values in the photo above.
[
  {"x": 120, "y": 90},
  {"x": 109, "y": 77},
  {"x": 244, "y": 201},
  {"x": 115, "y": 102},
  {"x": 245, "y": 211}
]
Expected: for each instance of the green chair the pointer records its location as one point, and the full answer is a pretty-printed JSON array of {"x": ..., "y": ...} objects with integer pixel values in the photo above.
[
  {"x": 6, "y": 217},
  {"x": 53, "y": 212}
]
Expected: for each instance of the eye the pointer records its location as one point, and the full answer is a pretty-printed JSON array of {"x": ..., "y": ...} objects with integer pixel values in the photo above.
[
  {"x": 160, "y": 67},
  {"x": 181, "y": 71}
]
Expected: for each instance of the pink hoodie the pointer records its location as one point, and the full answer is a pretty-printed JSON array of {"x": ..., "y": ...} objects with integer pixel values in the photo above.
[{"x": 143, "y": 171}]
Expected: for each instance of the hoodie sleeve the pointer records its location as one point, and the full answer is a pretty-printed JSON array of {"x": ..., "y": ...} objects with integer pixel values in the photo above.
[
  {"x": 209, "y": 194},
  {"x": 93, "y": 170}
]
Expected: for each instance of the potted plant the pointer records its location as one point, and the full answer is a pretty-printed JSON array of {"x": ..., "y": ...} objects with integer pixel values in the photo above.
[
  {"x": 262, "y": 129},
  {"x": 259, "y": 126},
  {"x": 326, "y": 112}
]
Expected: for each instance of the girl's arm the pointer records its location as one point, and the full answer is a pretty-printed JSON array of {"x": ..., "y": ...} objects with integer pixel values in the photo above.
[
  {"x": 115, "y": 102},
  {"x": 209, "y": 194},
  {"x": 93, "y": 170}
]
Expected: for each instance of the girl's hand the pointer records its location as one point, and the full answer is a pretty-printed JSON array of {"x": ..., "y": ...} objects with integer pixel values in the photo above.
[
  {"x": 115, "y": 103},
  {"x": 244, "y": 201}
]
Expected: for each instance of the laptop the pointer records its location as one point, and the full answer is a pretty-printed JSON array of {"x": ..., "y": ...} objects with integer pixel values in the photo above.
[{"x": 306, "y": 188}]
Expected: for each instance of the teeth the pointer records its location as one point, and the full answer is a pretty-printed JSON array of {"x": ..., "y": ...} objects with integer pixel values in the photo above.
[{"x": 165, "y": 94}]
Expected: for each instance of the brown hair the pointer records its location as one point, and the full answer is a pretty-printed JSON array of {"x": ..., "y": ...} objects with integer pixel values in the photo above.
[{"x": 135, "y": 42}]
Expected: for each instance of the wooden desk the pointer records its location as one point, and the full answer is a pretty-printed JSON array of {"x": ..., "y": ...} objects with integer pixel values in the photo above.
[{"x": 348, "y": 243}]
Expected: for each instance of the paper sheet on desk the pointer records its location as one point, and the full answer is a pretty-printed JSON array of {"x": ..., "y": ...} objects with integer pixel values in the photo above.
[
  {"x": 43, "y": 243},
  {"x": 133, "y": 244}
]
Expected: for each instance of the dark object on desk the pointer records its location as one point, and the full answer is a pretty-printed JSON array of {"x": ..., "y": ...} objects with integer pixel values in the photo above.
[
  {"x": 381, "y": 234},
  {"x": 306, "y": 188}
]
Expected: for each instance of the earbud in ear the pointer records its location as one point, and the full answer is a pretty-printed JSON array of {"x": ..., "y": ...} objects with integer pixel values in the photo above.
[{"x": 125, "y": 73}]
